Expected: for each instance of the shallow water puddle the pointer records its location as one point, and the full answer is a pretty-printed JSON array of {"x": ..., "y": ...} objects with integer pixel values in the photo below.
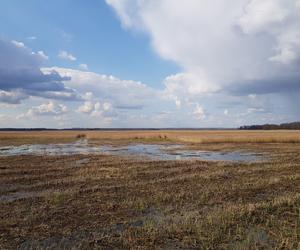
[{"x": 153, "y": 151}]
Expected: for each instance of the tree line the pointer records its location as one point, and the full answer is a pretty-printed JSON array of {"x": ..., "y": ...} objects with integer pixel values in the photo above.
[{"x": 292, "y": 125}]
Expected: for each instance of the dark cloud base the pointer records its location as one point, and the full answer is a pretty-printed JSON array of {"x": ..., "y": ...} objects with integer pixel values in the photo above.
[{"x": 21, "y": 76}]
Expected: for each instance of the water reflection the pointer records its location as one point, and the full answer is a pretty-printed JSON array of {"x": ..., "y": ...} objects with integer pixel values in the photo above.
[{"x": 153, "y": 151}]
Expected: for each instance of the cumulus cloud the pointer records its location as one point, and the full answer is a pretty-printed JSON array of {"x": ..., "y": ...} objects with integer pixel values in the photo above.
[
  {"x": 219, "y": 43},
  {"x": 184, "y": 87},
  {"x": 279, "y": 18},
  {"x": 230, "y": 53},
  {"x": 20, "y": 74},
  {"x": 105, "y": 109},
  {"x": 124, "y": 94},
  {"x": 110, "y": 101},
  {"x": 49, "y": 108},
  {"x": 260, "y": 16},
  {"x": 86, "y": 108},
  {"x": 105, "y": 112},
  {"x": 66, "y": 56}
]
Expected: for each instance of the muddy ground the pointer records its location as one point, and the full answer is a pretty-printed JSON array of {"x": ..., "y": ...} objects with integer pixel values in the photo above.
[{"x": 115, "y": 202}]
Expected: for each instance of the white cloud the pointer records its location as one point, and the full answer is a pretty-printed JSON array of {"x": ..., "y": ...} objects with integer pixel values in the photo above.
[
  {"x": 104, "y": 110},
  {"x": 66, "y": 56},
  {"x": 18, "y": 44},
  {"x": 49, "y": 108},
  {"x": 226, "y": 112},
  {"x": 263, "y": 15},
  {"x": 124, "y": 94},
  {"x": 124, "y": 11},
  {"x": 199, "y": 113},
  {"x": 99, "y": 111},
  {"x": 86, "y": 108},
  {"x": 21, "y": 77},
  {"x": 288, "y": 49},
  {"x": 224, "y": 42},
  {"x": 278, "y": 18},
  {"x": 83, "y": 66},
  {"x": 184, "y": 87},
  {"x": 285, "y": 56},
  {"x": 43, "y": 55}
]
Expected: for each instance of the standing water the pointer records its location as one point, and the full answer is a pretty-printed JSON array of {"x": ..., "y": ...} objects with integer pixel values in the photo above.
[{"x": 153, "y": 151}]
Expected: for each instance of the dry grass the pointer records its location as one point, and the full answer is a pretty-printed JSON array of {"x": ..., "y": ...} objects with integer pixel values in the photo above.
[
  {"x": 109, "y": 202},
  {"x": 189, "y": 136}
]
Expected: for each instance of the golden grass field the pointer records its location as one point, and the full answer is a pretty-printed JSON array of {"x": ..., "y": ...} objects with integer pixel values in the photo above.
[
  {"x": 190, "y": 136},
  {"x": 113, "y": 202}
]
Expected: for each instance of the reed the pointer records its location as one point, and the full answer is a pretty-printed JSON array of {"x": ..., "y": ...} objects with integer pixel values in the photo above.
[{"x": 188, "y": 136}]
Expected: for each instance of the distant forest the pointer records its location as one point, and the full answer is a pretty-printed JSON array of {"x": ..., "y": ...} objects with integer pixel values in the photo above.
[{"x": 293, "y": 125}]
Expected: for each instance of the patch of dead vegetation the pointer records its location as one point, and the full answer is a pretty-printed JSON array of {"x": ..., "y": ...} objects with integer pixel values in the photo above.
[{"x": 110, "y": 202}]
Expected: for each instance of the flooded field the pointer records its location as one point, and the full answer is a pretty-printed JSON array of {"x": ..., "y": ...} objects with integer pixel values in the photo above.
[
  {"x": 152, "y": 151},
  {"x": 148, "y": 193}
]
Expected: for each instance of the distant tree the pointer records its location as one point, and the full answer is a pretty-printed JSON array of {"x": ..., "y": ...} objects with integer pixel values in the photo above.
[{"x": 291, "y": 126}]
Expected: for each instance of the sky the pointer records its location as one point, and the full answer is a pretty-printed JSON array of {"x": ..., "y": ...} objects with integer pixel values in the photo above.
[{"x": 149, "y": 64}]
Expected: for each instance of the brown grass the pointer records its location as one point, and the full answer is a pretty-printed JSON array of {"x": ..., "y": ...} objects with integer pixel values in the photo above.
[
  {"x": 190, "y": 136},
  {"x": 110, "y": 202}
]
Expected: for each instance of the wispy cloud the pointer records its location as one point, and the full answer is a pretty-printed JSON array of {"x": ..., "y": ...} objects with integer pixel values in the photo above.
[
  {"x": 66, "y": 56},
  {"x": 31, "y": 37},
  {"x": 83, "y": 66}
]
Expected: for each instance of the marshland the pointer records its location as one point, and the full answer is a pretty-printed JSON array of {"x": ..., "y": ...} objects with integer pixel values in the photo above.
[{"x": 115, "y": 201}]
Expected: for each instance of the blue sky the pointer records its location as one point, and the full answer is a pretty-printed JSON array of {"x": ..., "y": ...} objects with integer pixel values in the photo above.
[
  {"x": 89, "y": 29},
  {"x": 130, "y": 63}
]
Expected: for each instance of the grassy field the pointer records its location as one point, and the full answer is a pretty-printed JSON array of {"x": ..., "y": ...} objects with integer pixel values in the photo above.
[
  {"x": 189, "y": 136},
  {"x": 112, "y": 202}
]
